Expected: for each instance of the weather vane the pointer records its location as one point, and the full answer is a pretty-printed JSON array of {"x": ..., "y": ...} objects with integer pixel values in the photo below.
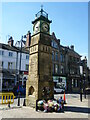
[{"x": 41, "y": 7}]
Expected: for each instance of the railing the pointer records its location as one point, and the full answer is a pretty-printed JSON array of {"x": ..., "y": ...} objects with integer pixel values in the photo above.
[{"x": 7, "y": 98}]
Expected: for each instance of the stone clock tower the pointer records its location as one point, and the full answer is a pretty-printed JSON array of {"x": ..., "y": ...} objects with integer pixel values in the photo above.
[{"x": 40, "y": 83}]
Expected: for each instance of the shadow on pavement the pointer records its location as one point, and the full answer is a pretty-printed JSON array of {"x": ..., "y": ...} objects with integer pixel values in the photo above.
[{"x": 77, "y": 109}]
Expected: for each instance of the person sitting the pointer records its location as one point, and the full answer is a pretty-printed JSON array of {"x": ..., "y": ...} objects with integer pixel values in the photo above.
[{"x": 61, "y": 102}]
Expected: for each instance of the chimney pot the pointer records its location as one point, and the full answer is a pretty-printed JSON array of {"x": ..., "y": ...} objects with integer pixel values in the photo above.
[
  {"x": 28, "y": 39},
  {"x": 10, "y": 41},
  {"x": 72, "y": 47}
]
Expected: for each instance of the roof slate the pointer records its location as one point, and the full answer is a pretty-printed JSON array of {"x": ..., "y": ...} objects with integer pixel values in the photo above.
[{"x": 13, "y": 48}]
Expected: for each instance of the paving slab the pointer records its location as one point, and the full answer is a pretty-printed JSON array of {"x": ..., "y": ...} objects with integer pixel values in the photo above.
[{"x": 73, "y": 109}]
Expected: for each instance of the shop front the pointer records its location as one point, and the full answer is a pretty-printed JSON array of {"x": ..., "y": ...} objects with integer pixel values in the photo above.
[
  {"x": 73, "y": 84},
  {"x": 59, "y": 84},
  {"x": 8, "y": 81}
]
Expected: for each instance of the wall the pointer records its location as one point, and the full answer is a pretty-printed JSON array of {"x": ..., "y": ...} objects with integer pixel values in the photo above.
[{"x": 6, "y": 58}]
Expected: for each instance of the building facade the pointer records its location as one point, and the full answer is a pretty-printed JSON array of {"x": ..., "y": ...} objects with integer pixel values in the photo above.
[
  {"x": 12, "y": 70},
  {"x": 65, "y": 65}
]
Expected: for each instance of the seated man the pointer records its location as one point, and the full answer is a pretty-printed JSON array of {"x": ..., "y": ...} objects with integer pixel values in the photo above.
[{"x": 61, "y": 102}]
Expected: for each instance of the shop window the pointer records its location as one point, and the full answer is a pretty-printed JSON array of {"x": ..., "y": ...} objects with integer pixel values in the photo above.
[
  {"x": 56, "y": 68},
  {"x": 31, "y": 90},
  {"x": 27, "y": 67},
  {"x": 62, "y": 69},
  {"x": 60, "y": 79},
  {"x": 76, "y": 83},
  {"x": 72, "y": 83}
]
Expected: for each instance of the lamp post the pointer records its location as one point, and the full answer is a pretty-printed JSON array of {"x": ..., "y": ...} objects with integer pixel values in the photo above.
[
  {"x": 81, "y": 73},
  {"x": 84, "y": 86},
  {"x": 20, "y": 68}
]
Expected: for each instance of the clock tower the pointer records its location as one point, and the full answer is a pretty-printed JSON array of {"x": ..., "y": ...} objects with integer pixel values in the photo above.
[{"x": 40, "y": 82}]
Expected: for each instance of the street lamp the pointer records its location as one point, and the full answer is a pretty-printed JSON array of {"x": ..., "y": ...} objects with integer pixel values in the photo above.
[
  {"x": 81, "y": 73},
  {"x": 84, "y": 86},
  {"x": 21, "y": 41}
]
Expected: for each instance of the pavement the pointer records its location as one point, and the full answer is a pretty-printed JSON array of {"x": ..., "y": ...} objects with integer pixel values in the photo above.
[{"x": 73, "y": 109}]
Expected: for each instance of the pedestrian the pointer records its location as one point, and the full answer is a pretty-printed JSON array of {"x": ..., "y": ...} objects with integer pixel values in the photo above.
[{"x": 60, "y": 100}]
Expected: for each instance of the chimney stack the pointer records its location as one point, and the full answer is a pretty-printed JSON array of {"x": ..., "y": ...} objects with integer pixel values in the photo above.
[
  {"x": 10, "y": 41},
  {"x": 59, "y": 40},
  {"x": 72, "y": 47},
  {"x": 28, "y": 39}
]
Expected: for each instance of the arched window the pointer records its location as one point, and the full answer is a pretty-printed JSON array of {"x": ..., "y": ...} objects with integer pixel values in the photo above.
[{"x": 31, "y": 90}]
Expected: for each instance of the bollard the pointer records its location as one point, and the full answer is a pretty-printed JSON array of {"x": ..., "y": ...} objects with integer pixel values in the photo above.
[
  {"x": 36, "y": 105},
  {"x": 81, "y": 96},
  {"x": 24, "y": 103},
  {"x": 85, "y": 94},
  {"x": 9, "y": 104},
  {"x": 19, "y": 99}
]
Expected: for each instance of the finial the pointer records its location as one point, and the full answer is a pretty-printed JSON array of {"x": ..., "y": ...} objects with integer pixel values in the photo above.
[{"x": 41, "y": 7}]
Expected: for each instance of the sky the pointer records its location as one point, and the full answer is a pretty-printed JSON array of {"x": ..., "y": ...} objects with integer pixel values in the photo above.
[
  {"x": 69, "y": 22},
  {"x": 89, "y": 34}
]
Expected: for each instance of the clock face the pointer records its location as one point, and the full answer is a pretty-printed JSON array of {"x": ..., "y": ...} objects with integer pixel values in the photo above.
[
  {"x": 45, "y": 27},
  {"x": 36, "y": 27}
]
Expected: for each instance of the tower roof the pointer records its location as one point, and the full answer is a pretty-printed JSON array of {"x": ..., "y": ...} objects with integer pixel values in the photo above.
[{"x": 41, "y": 15}]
